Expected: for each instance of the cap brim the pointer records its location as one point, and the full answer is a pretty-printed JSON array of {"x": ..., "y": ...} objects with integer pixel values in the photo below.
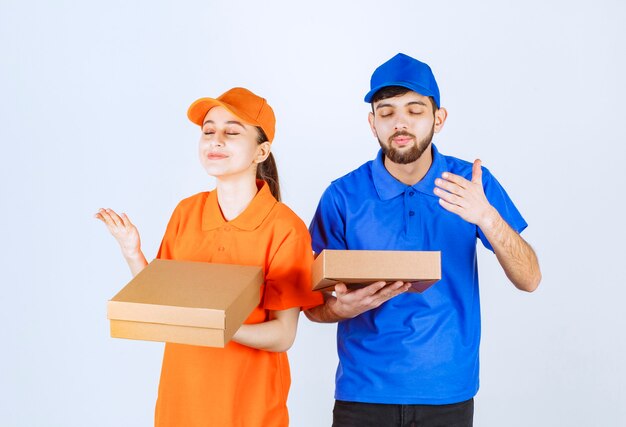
[
  {"x": 415, "y": 88},
  {"x": 198, "y": 109}
]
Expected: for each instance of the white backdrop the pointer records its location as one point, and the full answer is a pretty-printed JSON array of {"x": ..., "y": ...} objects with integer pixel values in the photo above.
[{"x": 93, "y": 97}]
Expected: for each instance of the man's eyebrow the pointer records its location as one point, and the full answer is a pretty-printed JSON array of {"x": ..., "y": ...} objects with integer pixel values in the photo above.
[
  {"x": 383, "y": 106},
  {"x": 230, "y": 122}
]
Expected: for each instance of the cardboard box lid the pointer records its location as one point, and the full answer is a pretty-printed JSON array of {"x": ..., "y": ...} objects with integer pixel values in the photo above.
[
  {"x": 188, "y": 293},
  {"x": 365, "y": 266}
]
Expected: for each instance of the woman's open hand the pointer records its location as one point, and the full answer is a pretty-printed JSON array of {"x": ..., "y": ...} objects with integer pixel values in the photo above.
[{"x": 123, "y": 230}]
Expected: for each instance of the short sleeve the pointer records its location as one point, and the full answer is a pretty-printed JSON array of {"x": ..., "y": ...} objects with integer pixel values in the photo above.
[
  {"x": 288, "y": 278},
  {"x": 327, "y": 228},
  {"x": 166, "y": 250},
  {"x": 500, "y": 200}
]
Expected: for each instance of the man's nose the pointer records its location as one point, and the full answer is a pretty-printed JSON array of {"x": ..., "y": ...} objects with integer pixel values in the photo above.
[{"x": 401, "y": 123}]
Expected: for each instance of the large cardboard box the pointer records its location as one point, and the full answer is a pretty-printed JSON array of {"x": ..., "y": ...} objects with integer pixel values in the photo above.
[
  {"x": 185, "y": 302},
  {"x": 357, "y": 268}
]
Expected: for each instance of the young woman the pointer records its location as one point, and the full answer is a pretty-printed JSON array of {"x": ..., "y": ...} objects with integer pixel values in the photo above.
[{"x": 240, "y": 222}]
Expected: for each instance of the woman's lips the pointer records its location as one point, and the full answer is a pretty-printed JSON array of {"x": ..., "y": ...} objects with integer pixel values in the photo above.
[{"x": 216, "y": 156}]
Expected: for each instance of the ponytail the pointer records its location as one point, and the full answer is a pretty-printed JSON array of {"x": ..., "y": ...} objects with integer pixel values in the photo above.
[{"x": 267, "y": 170}]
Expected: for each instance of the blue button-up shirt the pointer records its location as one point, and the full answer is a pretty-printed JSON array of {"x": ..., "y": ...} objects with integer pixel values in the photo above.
[{"x": 414, "y": 348}]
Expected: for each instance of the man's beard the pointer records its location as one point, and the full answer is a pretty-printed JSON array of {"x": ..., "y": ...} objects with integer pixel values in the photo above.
[{"x": 407, "y": 155}]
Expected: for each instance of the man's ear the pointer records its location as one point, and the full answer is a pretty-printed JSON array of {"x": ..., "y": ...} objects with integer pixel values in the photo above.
[
  {"x": 440, "y": 119},
  {"x": 262, "y": 152},
  {"x": 370, "y": 119}
]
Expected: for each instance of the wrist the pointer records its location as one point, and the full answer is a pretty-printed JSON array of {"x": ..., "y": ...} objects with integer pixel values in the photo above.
[
  {"x": 489, "y": 220},
  {"x": 331, "y": 310},
  {"x": 135, "y": 255},
  {"x": 339, "y": 311}
]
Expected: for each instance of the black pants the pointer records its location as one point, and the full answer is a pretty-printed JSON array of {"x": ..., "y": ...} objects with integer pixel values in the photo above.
[{"x": 357, "y": 414}]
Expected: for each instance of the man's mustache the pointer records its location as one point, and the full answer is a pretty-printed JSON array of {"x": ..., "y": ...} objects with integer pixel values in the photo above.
[{"x": 401, "y": 133}]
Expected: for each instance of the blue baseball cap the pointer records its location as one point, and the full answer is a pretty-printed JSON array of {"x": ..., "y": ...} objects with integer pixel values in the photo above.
[{"x": 404, "y": 71}]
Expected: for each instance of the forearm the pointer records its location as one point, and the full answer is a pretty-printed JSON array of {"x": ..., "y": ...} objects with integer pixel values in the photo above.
[
  {"x": 136, "y": 262},
  {"x": 517, "y": 258},
  {"x": 276, "y": 334}
]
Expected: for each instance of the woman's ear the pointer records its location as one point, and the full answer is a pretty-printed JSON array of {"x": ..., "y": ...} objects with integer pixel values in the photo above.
[{"x": 262, "y": 152}]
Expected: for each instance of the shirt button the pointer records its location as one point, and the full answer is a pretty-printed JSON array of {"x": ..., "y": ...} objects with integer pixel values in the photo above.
[
  {"x": 411, "y": 193},
  {"x": 227, "y": 228},
  {"x": 221, "y": 249},
  {"x": 411, "y": 213}
]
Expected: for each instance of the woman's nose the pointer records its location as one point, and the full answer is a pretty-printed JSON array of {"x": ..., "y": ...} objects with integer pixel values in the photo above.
[{"x": 217, "y": 140}]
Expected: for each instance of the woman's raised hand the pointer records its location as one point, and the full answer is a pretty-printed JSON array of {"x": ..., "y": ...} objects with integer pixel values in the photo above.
[{"x": 123, "y": 230}]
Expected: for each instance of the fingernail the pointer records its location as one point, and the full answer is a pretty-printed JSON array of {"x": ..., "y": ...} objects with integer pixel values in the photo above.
[{"x": 445, "y": 174}]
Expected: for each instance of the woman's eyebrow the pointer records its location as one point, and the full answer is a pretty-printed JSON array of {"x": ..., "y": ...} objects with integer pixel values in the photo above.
[{"x": 230, "y": 122}]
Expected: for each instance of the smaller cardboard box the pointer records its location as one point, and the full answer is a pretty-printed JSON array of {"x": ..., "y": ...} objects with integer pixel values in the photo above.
[
  {"x": 185, "y": 302},
  {"x": 358, "y": 268}
]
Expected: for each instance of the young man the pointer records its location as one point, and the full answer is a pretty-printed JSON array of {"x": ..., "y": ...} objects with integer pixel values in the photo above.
[{"x": 408, "y": 358}]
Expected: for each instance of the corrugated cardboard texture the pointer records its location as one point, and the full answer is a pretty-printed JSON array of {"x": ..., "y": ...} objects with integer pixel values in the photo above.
[
  {"x": 358, "y": 268},
  {"x": 185, "y": 302}
]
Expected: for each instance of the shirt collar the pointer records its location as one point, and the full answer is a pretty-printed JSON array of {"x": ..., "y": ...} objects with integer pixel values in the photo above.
[
  {"x": 250, "y": 219},
  {"x": 389, "y": 187}
]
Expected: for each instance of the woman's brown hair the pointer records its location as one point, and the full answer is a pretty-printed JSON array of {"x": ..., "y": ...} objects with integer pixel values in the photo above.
[{"x": 267, "y": 170}]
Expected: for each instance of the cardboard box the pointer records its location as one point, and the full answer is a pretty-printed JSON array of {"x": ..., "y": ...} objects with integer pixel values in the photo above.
[
  {"x": 184, "y": 302},
  {"x": 358, "y": 268}
]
